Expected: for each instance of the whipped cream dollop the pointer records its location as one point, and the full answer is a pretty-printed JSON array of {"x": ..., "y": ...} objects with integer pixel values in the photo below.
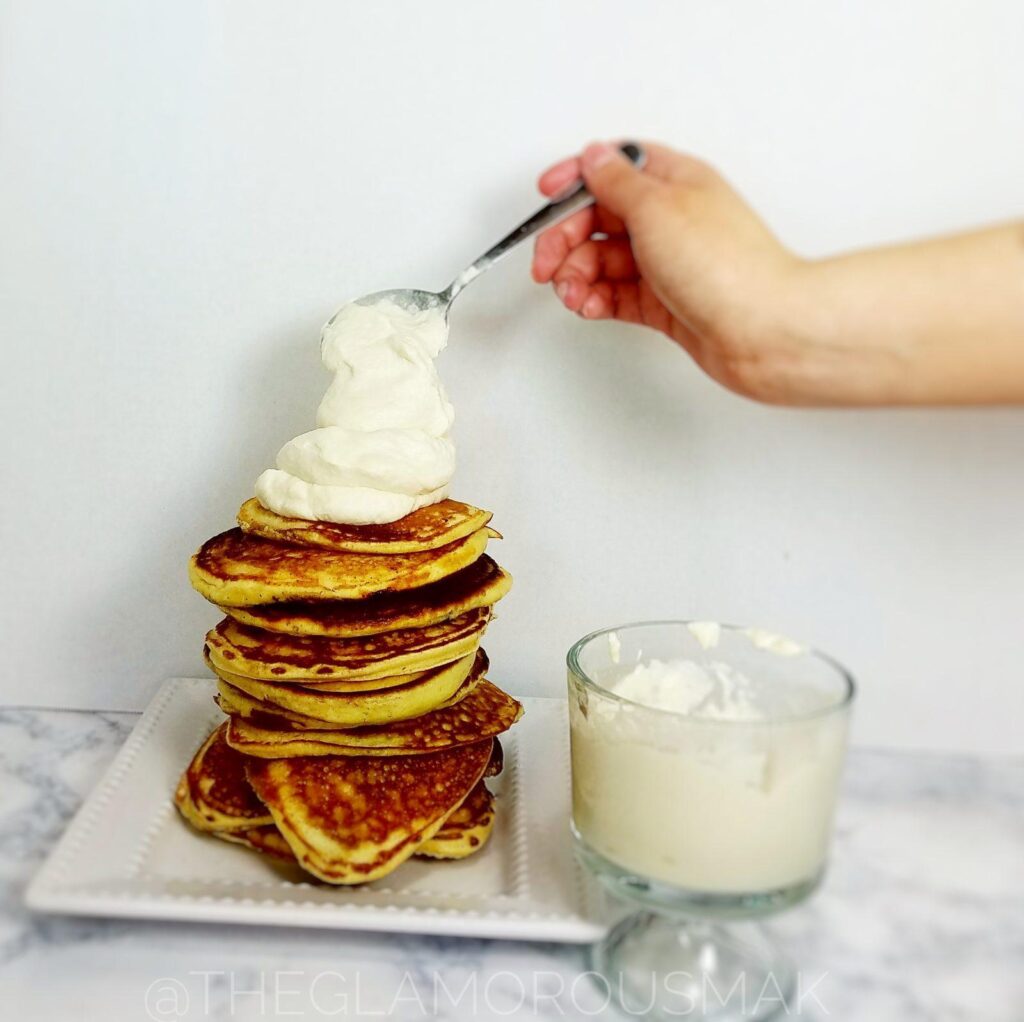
[
  {"x": 714, "y": 690},
  {"x": 710, "y": 691},
  {"x": 382, "y": 447}
]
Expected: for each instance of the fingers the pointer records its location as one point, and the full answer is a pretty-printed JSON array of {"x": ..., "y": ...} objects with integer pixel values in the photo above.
[
  {"x": 588, "y": 257},
  {"x": 661, "y": 162},
  {"x": 633, "y": 301},
  {"x": 628, "y": 301},
  {"x": 600, "y": 300},
  {"x": 616, "y": 184},
  {"x": 560, "y": 176},
  {"x": 587, "y": 279},
  {"x": 554, "y": 245},
  {"x": 567, "y": 172},
  {"x": 599, "y": 280},
  {"x": 610, "y": 258},
  {"x": 603, "y": 299}
]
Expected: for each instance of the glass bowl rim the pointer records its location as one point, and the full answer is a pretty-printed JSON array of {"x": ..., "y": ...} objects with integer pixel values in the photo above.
[{"x": 573, "y": 663}]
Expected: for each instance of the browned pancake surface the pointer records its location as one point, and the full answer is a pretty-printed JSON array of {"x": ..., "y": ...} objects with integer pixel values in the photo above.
[
  {"x": 314, "y": 708},
  {"x": 238, "y": 569},
  {"x": 217, "y": 788},
  {"x": 475, "y": 811},
  {"x": 259, "y": 653},
  {"x": 350, "y": 819},
  {"x": 497, "y": 763},
  {"x": 424, "y": 529},
  {"x": 261, "y": 689},
  {"x": 478, "y": 585},
  {"x": 265, "y": 838},
  {"x": 485, "y": 712}
]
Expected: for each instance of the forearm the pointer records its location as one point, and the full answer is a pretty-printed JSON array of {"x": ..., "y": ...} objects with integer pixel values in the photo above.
[{"x": 935, "y": 322}]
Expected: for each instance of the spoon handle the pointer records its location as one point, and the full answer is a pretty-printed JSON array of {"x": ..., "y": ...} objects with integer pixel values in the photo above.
[{"x": 574, "y": 198}]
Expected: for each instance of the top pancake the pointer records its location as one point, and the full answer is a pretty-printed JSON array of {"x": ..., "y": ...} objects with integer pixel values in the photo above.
[
  {"x": 428, "y": 528},
  {"x": 481, "y": 584},
  {"x": 236, "y": 569}
]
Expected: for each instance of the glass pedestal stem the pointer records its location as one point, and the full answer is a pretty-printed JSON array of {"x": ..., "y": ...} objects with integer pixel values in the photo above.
[{"x": 667, "y": 967}]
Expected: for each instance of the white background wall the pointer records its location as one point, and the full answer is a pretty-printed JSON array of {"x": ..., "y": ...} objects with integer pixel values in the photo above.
[{"x": 189, "y": 189}]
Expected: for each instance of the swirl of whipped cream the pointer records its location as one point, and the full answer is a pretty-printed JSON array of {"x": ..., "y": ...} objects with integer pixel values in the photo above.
[{"x": 382, "y": 447}]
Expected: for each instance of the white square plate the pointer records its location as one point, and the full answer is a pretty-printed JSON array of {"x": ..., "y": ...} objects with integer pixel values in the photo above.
[{"x": 128, "y": 853}]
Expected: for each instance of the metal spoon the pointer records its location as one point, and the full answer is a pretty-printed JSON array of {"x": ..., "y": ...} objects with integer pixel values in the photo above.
[{"x": 575, "y": 197}]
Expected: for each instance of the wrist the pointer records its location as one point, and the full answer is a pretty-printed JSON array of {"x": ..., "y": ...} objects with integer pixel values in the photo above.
[{"x": 822, "y": 352}]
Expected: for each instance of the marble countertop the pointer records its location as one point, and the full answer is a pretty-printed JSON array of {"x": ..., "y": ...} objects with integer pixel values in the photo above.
[{"x": 921, "y": 917}]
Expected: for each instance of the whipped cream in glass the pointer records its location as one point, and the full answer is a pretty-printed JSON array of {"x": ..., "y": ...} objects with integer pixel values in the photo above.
[
  {"x": 705, "y": 766},
  {"x": 706, "y": 758},
  {"x": 382, "y": 447}
]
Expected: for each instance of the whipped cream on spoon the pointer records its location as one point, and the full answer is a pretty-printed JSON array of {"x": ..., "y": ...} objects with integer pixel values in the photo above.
[{"x": 382, "y": 447}]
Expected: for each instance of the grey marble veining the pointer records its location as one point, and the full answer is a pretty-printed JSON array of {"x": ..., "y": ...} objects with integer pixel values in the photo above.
[{"x": 921, "y": 917}]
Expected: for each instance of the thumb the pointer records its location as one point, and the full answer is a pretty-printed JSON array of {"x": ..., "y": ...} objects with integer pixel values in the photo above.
[{"x": 613, "y": 180}]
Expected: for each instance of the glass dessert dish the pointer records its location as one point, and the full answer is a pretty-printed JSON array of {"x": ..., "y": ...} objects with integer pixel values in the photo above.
[{"x": 705, "y": 767}]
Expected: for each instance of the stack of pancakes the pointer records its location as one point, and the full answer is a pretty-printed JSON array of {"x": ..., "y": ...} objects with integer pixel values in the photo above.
[{"x": 360, "y": 723}]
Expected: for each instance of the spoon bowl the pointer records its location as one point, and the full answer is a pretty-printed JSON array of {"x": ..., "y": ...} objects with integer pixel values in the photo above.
[{"x": 408, "y": 298}]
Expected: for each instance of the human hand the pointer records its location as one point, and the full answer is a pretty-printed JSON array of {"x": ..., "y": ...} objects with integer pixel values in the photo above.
[{"x": 673, "y": 247}]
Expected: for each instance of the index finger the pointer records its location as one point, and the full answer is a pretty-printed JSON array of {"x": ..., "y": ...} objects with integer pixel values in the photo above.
[
  {"x": 560, "y": 176},
  {"x": 554, "y": 244}
]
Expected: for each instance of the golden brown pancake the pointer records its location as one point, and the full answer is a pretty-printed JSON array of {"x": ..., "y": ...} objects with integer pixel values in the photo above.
[
  {"x": 266, "y": 839},
  {"x": 485, "y": 713},
  {"x": 467, "y": 829},
  {"x": 421, "y": 692},
  {"x": 497, "y": 763},
  {"x": 455, "y": 839},
  {"x": 428, "y": 528},
  {"x": 236, "y": 569},
  {"x": 235, "y": 702},
  {"x": 271, "y": 656},
  {"x": 359, "y": 685},
  {"x": 352, "y": 819},
  {"x": 464, "y": 832},
  {"x": 481, "y": 584},
  {"x": 213, "y": 793}
]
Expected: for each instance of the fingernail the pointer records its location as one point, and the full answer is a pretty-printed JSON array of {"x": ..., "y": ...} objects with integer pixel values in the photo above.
[
  {"x": 562, "y": 290},
  {"x": 591, "y": 307},
  {"x": 597, "y": 154}
]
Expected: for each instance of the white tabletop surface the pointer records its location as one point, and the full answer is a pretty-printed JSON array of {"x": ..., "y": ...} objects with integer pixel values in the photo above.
[{"x": 921, "y": 917}]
